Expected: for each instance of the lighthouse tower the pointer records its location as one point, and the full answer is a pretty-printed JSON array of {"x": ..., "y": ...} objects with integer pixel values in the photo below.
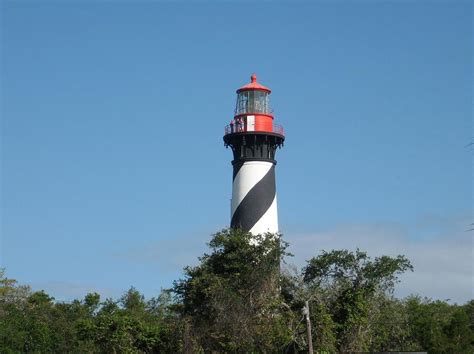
[{"x": 254, "y": 138}]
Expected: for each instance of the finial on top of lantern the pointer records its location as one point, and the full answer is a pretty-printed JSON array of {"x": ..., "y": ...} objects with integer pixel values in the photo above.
[{"x": 254, "y": 85}]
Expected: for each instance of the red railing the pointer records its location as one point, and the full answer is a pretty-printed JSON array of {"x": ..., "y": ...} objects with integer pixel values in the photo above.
[{"x": 240, "y": 128}]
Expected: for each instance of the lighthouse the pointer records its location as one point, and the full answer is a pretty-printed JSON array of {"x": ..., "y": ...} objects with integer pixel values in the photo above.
[{"x": 254, "y": 137}]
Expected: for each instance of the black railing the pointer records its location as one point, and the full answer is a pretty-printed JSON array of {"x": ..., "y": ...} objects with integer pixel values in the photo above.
[{"x": 240, "y": 128}]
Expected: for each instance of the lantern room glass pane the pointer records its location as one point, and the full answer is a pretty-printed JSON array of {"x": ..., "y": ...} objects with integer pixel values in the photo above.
[{"x": 252, "y": 102}]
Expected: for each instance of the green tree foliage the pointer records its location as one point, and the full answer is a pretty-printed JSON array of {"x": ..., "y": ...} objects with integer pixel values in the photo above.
[
  {"x": 127, "y": 326},
  {"x": 231, "y": 299},
  {"x": 438, "y": 327},
  {"x": 351, "y": 287},
  {"x": 237, "y": 299},
  {"x": 34, "y": 322}
]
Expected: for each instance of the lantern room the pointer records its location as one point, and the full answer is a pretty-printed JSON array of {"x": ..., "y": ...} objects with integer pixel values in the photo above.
[
  {"x": 252, "y": 110},
  {"x": 253, "y": 98}
]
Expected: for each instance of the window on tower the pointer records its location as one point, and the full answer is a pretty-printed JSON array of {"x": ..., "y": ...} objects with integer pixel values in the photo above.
[{"x": 252, "y": 101}]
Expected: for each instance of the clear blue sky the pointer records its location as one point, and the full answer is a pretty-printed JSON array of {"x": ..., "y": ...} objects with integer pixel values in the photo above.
[{"x": 114, "y": 171}]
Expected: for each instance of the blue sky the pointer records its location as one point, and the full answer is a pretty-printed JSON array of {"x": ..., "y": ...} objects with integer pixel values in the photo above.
[{"x": 113, "y": 167}]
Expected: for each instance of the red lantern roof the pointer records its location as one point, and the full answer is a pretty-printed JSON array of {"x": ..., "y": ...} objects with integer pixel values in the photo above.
[{"x": 254, "y": 85}]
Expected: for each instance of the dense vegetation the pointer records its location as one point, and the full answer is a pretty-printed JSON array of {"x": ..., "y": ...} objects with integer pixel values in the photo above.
[{"x": 237, "y": 300}]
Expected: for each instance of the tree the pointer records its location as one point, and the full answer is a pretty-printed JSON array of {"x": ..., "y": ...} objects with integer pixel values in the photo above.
[
  {"x": 346, "y": 285},
  {"x": 13, "y": 317},
  {"x": 133, "y": 302},
  {"x": 231, "y": 299},
  {"x": 438, "y": 327},
  {"x": 127, "y": 325}
]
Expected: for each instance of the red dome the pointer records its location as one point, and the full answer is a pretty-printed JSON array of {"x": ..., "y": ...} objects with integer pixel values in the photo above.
[{"x": 254, "y": 85}]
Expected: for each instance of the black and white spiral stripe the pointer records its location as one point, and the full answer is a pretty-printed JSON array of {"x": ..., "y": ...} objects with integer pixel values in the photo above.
[{"x": 254, "y": 204}]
